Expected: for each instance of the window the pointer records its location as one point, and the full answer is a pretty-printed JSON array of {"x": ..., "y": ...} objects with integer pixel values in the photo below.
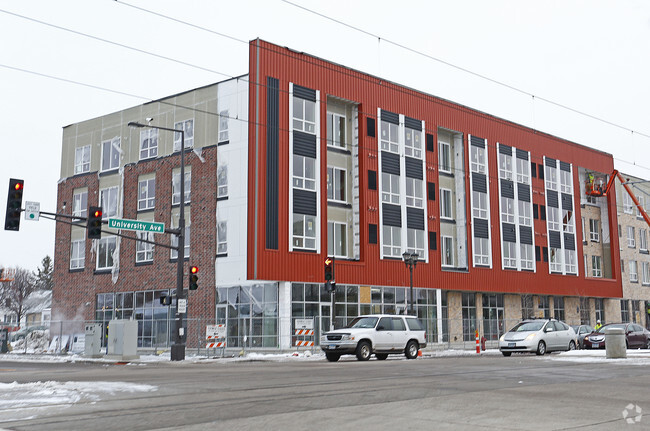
[
  {"x": 304, "y": 231},
  {"x": 479, "y": 205},
  {"x": 389, "y": 188},
  {"x": 631, "y": 239},
  {"x": 551, "y": 178},
  {"x": 108, "y": 202},
  {"x": 634, "y": 277},
  {"x": 222, "y": 181},
  {"x": 477, "y": 159},
  {"x": 413, "y": 143},
  {"x": 523, "y": 174},
  {"x": 336, "y": 130},
  {"x": 468, "y": 310},
  {"x": 527, "y": 256},
  {"x": 446, "y": 211},
  {"x": 553, "y": 218},
  {"x": 444, "y": 157},
  {"x": 645, "y": 267},
  {"x": 558, "y": 307},
  {"x": 596, "y": 269},
  {"x": 337, "y": 241},
  {"x": 625, "y": 311},
  {"x": 146, "y": 194},
  {"x": 415, "y": 242},
  {"x": 176, "y": 187},
  {"x": 447, "y": 251},
  {"x": 144, "y": 250},
  {"x": 509, "y": 254},
  {"x": 222, "y": 237},
  {"x": 505, "y": 166},
  {"x": 188, "y": 127},
  {"x": 638, "y": 209},
  {"x": 507, "y": 210},
  {"x": 414, "y": 193},
  {"x": 80, "y": 204},
  {"x": 304, "y": 115},
  {"x": 105, "y": 251},
  {"x": 304, "y": 172},
  {"x": 481, "y": 251},
  {"x": 643, "y": 240},
  {"x": 224, "y": 134},
  {"x": 594, "y": 230},
  {"x": 628, "y": 203},
  {"x": 186, "y": 241},
  {"x": 570, "y": 262},
  {"x": 565, "y": 182},
  {"x": 567, "y": 221},
  {"x": 524, "y": 213},
  {"x": 336, "y": 184},
  {"x": 111, "y": 154},
  {"x": 555, "y": 259},
  {"x": 392, "y": 241},
  {"x": 77, "y": 254},
  {"x": 584, "y": 237},
  {"x": 389, "y": 138},
  {"x": 148, "y": 143},
  {"x": 82, "y": 160}
]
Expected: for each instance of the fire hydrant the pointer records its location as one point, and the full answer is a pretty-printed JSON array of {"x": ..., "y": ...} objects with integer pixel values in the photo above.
[{"x": 483, "y": 340}]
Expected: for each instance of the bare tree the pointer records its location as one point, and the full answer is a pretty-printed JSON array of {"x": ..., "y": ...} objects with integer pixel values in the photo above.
[{"x": 14, "y": 293}]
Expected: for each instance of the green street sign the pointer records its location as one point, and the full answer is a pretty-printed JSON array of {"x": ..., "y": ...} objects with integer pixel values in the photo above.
[{"x": 138, "y": 225}]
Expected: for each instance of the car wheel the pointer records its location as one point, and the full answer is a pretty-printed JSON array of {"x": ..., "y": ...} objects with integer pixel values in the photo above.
[
  {"x": 572, "y": 345},
  {"x": 381, "y": 356},
  {"x": 506, "y": 354},
  {"x": 411, "y": 350},
  {"x": 541, "y": 348},
  {"x": 363, "y": 351},
  {"x": 332, "y": 357}
]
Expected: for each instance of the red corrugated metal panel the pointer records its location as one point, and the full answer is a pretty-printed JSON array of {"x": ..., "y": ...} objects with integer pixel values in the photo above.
[{"x": 372, "y": 93}]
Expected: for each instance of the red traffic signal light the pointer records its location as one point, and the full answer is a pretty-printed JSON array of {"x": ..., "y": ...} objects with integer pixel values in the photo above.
[
  {"x": 194, "y": 278},
  {"x": 19, "y": 185},
  {"x": 94, "y": 222},
  {"x": 14, "y": 204}
]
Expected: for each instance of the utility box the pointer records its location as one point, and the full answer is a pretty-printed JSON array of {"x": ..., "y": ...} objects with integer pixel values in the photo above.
[
  {"x": 93, "y": 340},
  {"x": 123, "y": 339},
  {"x": 4, "y": 339}
]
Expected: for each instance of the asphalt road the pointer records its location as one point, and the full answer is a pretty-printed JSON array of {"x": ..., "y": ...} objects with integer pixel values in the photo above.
[{"x": 477, "y": 393}]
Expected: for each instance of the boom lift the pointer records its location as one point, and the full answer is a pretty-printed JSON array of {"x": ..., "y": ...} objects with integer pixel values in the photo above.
[{"x": 595, "y": 188}]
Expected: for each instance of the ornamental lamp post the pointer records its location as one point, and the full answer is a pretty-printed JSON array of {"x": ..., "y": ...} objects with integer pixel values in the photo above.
[{"x": 410, "y": 260}]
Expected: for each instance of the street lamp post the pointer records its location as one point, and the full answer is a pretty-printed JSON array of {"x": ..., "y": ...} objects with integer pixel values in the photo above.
[
  {"x": 178, "y": 348},
  {"x": 410, "y": 260}
]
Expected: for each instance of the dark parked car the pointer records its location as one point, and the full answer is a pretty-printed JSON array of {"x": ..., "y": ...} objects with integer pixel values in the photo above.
[
  {"x": 582, "y": 331},
  {"x": 636, "y": 337}
]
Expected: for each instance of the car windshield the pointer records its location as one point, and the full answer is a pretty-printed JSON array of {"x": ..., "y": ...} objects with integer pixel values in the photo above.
[
  {"x": 602, "y": 329},
  {"x": 528, "y": 326},
  {"x": 363, "y": 322}
]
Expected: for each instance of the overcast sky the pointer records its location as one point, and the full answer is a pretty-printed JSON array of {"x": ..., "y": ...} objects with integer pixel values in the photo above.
[{"x": 590, "y": 56}]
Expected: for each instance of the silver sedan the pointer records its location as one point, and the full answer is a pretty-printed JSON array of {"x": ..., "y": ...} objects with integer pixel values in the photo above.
[{"x": 539, "y": 336}]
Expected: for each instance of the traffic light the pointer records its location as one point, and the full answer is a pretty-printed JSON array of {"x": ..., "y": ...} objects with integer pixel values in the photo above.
[
  {"x": 165, "y": 299},
  {"x": 194, "y": 278},
  {"x": 329, "y": 269},
  {"x": 14, "y": 202},
  {"x": 95, "y": 222}
]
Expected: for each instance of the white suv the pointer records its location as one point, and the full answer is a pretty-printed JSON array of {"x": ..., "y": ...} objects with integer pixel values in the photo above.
[{"x": 381, "y": 334}]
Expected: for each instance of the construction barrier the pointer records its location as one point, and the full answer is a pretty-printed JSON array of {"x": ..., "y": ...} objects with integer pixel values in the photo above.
[{"x": 304, "y": 333}]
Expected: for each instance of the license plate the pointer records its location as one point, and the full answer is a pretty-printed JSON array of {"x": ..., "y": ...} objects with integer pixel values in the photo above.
[
  {"x": 595, "y": 345},
  {"x": 332, "y": 346},
  {"x": 512, "y": 344}
]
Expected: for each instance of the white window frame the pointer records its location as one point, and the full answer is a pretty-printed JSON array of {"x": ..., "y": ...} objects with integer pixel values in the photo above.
[
  {"x": 147, "y": 194},
  {"x": 336, "y": 176},
  {"x": 446, "y": 204},
  {"x": 335, "y": 136},
  {"x": 304, "y": 173},
  {"x": 412, "y": 143},
  {"x": 415, "y": 242},
  {"x": 480, "y": 205},
  {"x": 222, "y": 181},
  {"x": 570, "y": 264},
  {"x": 306, "y": 238},
  {"x": 188, "y": 127},
  {"x": 444, "y": 157},
  {"x": 108, "y": 196},
  {"x": 505, "y": 166},
  {"x": 108, "y": 244},
  {"x": 550, "y": 177},
  {"x": 481, "y": 251},
  {"x": 391, "y": 241},
  {"x": 112, "y": 149},
  {"x": 143, "y": 250},
  {"x": 507, "y": 210},
  {"x": 527, "y": 256},
  {"x": 390, "y": 137},
  {"x": 222, "y": 237},
  {"x": 596, "y": 267},
  {"x": 509, "y": 254},
  {"x": 643, "y": 240},
  {"x": 447, "y": 248},
  {"x": 524, "y": 213},
  {"x": 645, "y": 266},
  {"x": 634, "y": 275},
  {"x": 80, "y": 204},
  {"x": 553, "y": 218},
  {"x": 390, "y": 190},
  {"x": 224, "y": 126},
  {"x": 303, "y": 118},
  {"x": 584, "y": 233},
  {"x": 414, "y": 193},
  {"x": 628, "y": 203},
  {"x": 477, "y": 159},
  {"x": 631, "y": 237},
  {"x": 594, "y": 230},
  {"x": 77, "y": 253},
  {"x": 523, "y": 171},
  {"x": 148, "y": 143},
  {"x": 638, "y": 209},
  {"x": 186, "y": 248},
  {"x": 82, "y": 159},
  {"x": 567, "y": 220},
  {"x": 176, "y": 187},
  {"x": 337, "y": 239},
  {"x": 566, "y": 183}
]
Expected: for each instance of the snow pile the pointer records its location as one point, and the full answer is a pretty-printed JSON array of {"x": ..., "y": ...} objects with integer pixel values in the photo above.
[{"x": 37, "y": 342}]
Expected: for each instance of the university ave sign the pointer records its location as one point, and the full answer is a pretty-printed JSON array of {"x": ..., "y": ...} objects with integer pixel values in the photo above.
[{"x": 138, "y": 225}]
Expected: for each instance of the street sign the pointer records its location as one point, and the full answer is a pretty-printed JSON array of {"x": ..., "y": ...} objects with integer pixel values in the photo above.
[
  {"x": 182, "y": 306},
  {"x": 215, "y": 331},
  {"x": 138, "y": 225},
  {"x": 304, "y": 324},
  {"x": 32, "y": 210}
]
